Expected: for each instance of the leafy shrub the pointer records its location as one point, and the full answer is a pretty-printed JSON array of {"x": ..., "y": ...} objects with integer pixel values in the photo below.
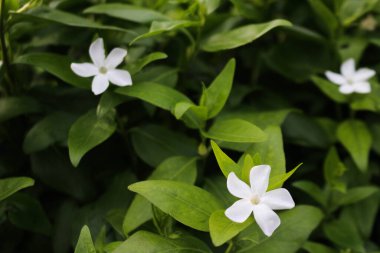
[{"x": 217, "y": 87}]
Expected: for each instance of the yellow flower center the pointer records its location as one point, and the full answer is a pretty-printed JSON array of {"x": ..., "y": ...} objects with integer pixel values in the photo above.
[
  {"x": 103, "y": 70},
  {"x": 255, "y": 200}
]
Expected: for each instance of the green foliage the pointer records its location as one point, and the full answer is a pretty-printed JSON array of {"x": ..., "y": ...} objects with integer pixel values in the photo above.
[
  {"x": 188, "y": 204},
  {"x": 218, "y": 86}
]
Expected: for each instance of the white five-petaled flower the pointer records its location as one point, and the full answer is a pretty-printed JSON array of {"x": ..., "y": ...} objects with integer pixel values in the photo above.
[
  {"x": 351, "y": 80},
  {"x": 256, "y": 199},
  {"x": 103, "y": 68}
]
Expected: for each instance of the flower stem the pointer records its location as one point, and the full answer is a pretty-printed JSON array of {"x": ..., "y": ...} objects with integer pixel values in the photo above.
[
  {"x": 6, "y": 61},
  {"x": 230, "y": 247}
]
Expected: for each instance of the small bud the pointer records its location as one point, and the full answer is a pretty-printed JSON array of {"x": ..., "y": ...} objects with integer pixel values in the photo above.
[
  {"x": 202, "y": 149},
  {"x": 369, "y": 23}
]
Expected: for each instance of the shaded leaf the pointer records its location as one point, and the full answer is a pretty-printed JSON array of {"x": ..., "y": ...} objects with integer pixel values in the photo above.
[{"x": 185, "y": 203}]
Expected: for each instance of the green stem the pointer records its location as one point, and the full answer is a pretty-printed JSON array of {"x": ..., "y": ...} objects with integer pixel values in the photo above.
[
  {"x": 6, "y": 61},
  {"x": 230, "y": 247}
]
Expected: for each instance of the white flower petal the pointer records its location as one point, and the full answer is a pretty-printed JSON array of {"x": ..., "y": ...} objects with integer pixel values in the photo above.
[
  {"x": 99, "y": 84},
  {"x": 239, "y": 211},
  {"x": 237, "y": 187},
  {"x": 84, "y": 69},
  {"x": 267, "y": 220},
  {"x": 97, "y": 52},
  {"x": 335, "y": 78},
  {"x": 363, "y": 74},
  {"x": 346, "y": 89},
  {"x": 259, "y": 179},
  {"x": 362, "y": 87},
  {"x": 116, "y": 57},
  {"x": 348, "y": 68},
  {"x": 278, "y": 199},
  {"x": 119, "y": 77}
]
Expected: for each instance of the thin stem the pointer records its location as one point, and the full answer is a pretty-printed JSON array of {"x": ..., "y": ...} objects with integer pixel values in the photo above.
[
  {"x": 6, "y": 61},
  {"x": 230, "y": 247}
]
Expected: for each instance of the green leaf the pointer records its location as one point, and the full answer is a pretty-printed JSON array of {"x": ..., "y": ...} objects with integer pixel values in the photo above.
[
  {"x": 128, "y": 12},
  {"x": 223, "y": 229},
  {"x": 240, "y": 36},
  {"x": 141, "y": 63},
  {"x": 88, "y": 132},
  {"x": 262, "y": 119},
  {"x": 159, "y": 27},
  {"x": 344, "y": 233},
  {"x": 11, "y": 107},
  {"x": 235, "y": 130},
  {"x": 159, "y": 95},
  {"x": 186, "y": 203},
  {"x": 147, "y": 242},
  {"x": 325, "y": 15},
  {"x": 330, "y": 89},
  {"x": 355, "y": 194},
  {"x": 27, "y": 213},
  {"x": 215, "y": 96},
  {"x": 271, "y": 151},
  {"x": 351, "y": 10},
  {"x": 333, "y": 170},
  {"x": 226, "y": 164},
  {"x": 85, "y": 244},
  {"x": 313, "y": 247},
  {"x": 313, "y": 190},
  {"x": 9, "y": 186},
  {"x": 64, "y": 18},
  {"x": 177, "y": 168},
  {"x": 296, "y": 226},
  {"x": 277, "y": 181},
  {"x": 193, "y": 116},
  {"x": 154, "y": 143},
  {"x": 211, "y": 5},
  {"x": 160, "y": 74},
  {"x": 57, "y": 65},
  {"x": 356, "y": 138},
  {"x": 52, "y": 129}
]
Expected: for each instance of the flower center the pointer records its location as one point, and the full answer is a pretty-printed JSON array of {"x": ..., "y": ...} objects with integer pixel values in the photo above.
[
  {"x": 103, "y": 70},
  {"x": 255, "y": 199}
]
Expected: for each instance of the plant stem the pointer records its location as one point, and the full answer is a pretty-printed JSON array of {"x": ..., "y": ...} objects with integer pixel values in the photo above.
[
  {"x": 230, "y": 247},
  {"x": 6, "y": 61}
]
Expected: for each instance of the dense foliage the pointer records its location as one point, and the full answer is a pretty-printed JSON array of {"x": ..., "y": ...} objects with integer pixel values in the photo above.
[{"x": 219, "y": 86}]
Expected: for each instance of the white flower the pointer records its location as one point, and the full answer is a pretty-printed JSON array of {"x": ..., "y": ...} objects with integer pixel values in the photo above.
[
  {"x": 351, "y": 80},
  {"x": 256, "y": 199},
  {"x": 103, "y": 68}
]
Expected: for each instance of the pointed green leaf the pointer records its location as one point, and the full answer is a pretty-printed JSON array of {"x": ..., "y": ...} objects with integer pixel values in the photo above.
[
  {"x": 57, "y": 65},
  {"x": 85, "y": 244},
  {"x": 159, "y": 27},
  {"x": 356, "y": 138},
  {"x": 240, "y": 36},
  {"x": 333, "y": 170},
  {"x": 159, "y": 95},
  {"x": 177, "y": 168},
  {"x": 88, "y": 132},
  {"x": 147, "y": 242},
  {"x": 9, "y": 186},
  {"x": 216, "y": 95},
  {"x": 44, "y": 13},
  {"x": 128, "y": 12},
  {"x": 186, "y": 203},
  {"x": 223, "y": 229},
  {"x": 296, "y": 226},
  {"x": 277, "y": 181},
  {"x": 235, "y": 130},
  {"x": 271, "y": 151},
  {"x": 226, "y": 164}
]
